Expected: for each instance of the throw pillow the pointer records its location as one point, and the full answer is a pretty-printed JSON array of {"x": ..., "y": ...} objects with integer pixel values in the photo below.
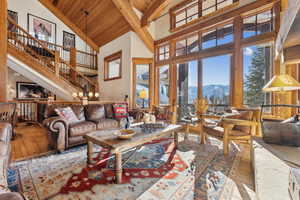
[
  {"x": 109, "y": 111},
  {"x": 120, "y": 110},
  {"x": 67, "y": 114},
  {"x": 95, "y": 112}
]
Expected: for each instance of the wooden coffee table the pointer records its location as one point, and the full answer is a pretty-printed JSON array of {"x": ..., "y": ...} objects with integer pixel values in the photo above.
[{"x": 107, "y": 138}]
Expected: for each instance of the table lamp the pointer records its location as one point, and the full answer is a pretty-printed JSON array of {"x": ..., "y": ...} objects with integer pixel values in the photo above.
[{"x": 143, "y": 95}]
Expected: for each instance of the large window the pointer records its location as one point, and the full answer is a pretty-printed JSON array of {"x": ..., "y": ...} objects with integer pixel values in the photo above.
[
  {"x": 257, "y": 72},
  {"x": 190, "y": 10},
  {"x": 216, "y": 79},
  {"x": 164, "y": 84},
  {"x": 258, "y": 24},
  {"x": 218, "y": 36},
  {"x": 141, "y": 83},
  {"x": 113, "y": 66},
  {"x": 187, "y": 87}
]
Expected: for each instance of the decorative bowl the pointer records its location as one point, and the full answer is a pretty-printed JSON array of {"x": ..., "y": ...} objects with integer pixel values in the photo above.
[{"x": 125, "y": 134}]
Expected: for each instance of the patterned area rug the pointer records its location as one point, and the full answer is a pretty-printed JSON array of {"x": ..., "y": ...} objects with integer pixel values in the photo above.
[{"x": 154, "y": 171}]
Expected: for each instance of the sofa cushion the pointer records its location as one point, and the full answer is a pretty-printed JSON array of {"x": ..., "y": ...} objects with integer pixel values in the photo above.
[
  {"x": 79, "y": 112},
  {"x": 81, "y": 128},
  {"x": 109, "y": 111},
  {"x": 120, "y": 110},
  {"x": 107, "y": 123},
  {"x": 95, "y": 112},
  {"x": 11, "y": 196},
  {"x": 5, "y": 132},
  {"x": 67, "y": 114}
]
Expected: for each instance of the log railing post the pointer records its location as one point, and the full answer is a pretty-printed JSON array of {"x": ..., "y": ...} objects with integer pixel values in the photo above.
[
  {"x": 73, "y": 63},
  {"x": 57, "y": 62},
  {"x": 3, "y": 50}
]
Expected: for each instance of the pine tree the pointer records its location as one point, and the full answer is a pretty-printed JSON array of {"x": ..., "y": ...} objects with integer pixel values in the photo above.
[{"x": 255, "y": 80}]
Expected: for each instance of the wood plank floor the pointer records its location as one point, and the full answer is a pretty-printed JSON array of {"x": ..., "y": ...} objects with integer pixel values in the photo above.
[{"x": 30, "y": 141}]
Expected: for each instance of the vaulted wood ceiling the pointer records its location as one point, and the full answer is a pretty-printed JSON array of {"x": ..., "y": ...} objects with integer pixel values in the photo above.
[{"x": 105, "y": 22}]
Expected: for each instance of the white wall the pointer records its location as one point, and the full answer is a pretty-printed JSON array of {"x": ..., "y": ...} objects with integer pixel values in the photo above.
[
  {"x": 131, "y": 46},
  {"x": 34, "y": 7}
]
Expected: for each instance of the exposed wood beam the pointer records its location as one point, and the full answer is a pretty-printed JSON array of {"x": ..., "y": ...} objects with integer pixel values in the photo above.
[
  {"x": 48, "y": 4},
  {"x": 3, "y": 50},
  {"x": 286, "y": 23},
  {"x": 155, "y": 8},
  {"x": 237, "y": 67},
  {"x": 219, "y": 18},
  {"x": 129, "y": 14}
]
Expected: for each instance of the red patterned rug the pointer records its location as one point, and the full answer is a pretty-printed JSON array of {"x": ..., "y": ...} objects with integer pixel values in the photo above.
[{"x": 152, "y": 160}]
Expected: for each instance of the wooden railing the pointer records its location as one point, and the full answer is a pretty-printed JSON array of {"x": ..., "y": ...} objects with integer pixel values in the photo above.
[
  {"x": 83, "y": 59},
  {"x": 47, "y": 58}
]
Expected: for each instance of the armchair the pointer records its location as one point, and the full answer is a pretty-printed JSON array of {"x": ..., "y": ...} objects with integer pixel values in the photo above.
[{"x": 240, "y": 127}]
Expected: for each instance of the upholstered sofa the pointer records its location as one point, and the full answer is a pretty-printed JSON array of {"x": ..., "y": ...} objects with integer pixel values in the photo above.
[
  {"x": 63, "y": 135},
  {"x": 5, "y": 152}
]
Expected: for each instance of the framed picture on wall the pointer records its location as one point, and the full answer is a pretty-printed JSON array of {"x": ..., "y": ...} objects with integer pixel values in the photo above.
[
  {"x": 14, "y": 16},
  {"x": 27, "y": 90},
  {"x": 41, "y": 29},
  {"x": 68, "y": 40}
]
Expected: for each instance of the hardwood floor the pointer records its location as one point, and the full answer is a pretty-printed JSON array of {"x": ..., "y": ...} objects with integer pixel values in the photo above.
[{"x": 30, "y": 141}]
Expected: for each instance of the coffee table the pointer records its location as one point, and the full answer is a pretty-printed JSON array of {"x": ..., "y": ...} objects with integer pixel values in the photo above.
[{"x": 107, "y": 138}]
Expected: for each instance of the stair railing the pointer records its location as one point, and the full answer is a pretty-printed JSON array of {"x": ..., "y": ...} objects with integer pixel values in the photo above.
[{"x": 21, "y": 40}]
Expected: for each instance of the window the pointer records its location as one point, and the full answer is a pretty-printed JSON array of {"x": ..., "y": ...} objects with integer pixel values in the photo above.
[
  {"x": 187, "y": 13},
  {"x": 190, "y": 10},
  {"x": 218, "y": 36},
  {"x": 257, "y": 72},
  {"x": 187, "y": 87},
  {"x": 141, "y": 69},
  {"x": 187, "y": 45},
  {"x": 210, "y": 6},
  {"x": 164, "y": 84},
  {"x": 163, "y": 52},
  {"x": 216, "y": 79},
  {"x": 113, "y": 66},
  {"x": 258, "y": 24}
]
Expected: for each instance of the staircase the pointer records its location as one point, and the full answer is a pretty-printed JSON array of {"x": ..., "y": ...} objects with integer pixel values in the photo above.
[{"x": 33, "y": 59}]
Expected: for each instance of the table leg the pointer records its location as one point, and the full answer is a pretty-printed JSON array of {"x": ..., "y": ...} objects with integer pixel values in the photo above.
[
  {"x": 89, "y": 152},
  {"x": 118, "y": 167},
  {"x": 176, "y": 139}
]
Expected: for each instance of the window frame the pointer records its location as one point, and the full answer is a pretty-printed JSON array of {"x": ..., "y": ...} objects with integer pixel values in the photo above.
[
  {"x": 182, "y": 7},
  {"x": 158, "y": 54},
  {"x": 256, "y": 23},
  {"x": 107, "y": 60},
  {"x": 135, "y": 62}
]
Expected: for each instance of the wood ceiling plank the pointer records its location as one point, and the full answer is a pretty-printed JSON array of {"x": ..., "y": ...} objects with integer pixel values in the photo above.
[
  {"x": 154, "y": 10},
  {"x": 109, "y": 36},
  {"x": 132, "y": 18},
  {"x": 48, "y": 4},
  {"x": 119, "y": 25}
]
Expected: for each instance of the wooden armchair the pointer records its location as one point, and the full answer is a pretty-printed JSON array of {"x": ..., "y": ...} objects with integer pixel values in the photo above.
[{"x": 240, "y": 127}]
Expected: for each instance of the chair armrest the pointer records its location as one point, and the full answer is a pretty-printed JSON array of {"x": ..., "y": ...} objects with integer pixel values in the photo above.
[{"x": 238, "y": 122}]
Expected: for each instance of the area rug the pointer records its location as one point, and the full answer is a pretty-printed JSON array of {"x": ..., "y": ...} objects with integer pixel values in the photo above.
[{"x": 154, "y": 171}]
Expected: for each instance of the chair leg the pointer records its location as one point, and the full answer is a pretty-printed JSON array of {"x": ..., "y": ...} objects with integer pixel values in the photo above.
[{"x": 226, "y": 142}]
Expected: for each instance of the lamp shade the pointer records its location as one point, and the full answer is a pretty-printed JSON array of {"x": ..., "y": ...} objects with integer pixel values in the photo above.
[
  {"x": 143, "y": 94},
  {"x": 280, "y": 83}
]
